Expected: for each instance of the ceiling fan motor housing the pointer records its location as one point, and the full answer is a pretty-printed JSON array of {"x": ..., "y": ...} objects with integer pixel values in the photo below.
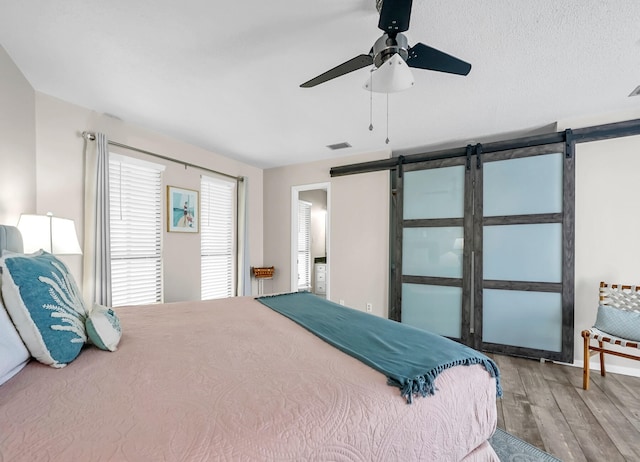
[
  {"x": 394, "y": 19},
  {"x": 386, "y": 46}
]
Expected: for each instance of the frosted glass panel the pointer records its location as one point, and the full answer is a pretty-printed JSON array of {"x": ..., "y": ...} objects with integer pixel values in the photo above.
[
  {"x": 523, "y": 186},
  {"x": 523, "y": 252},
  {"x": 434, "y": 308},
  {"x": 434, "y": 193},
  {"x": 432, "y": 252},
  {"x": 524, "y": 319}
]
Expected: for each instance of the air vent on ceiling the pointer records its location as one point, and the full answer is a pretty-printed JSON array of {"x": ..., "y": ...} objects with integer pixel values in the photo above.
[
  {"x": 635, "y": 92},
  {"x": 344, "y": 145}
]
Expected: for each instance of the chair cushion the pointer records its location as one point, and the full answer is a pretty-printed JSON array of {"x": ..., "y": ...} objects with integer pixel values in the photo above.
[{"x": 618, "y": 322}]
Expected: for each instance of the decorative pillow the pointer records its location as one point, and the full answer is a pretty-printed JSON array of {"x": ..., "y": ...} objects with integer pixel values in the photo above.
[
  {"x": 13, "y": 354},
  {"x": 618, "y": 322},
  {"x": 103, "y": 328},
  {"x": 45, "y": 305}
]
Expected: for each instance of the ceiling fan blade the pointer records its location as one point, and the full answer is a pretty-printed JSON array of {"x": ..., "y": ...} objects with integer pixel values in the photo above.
[
  {"x": 424, "y": 57},
  {"x": 352, "y": 65},
  {"x": 394, "y": 16}
]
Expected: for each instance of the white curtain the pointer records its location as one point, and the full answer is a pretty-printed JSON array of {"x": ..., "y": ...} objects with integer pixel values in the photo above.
[
  {"x": 244, "y": 276},
  {"x": 97, "y": 255}
]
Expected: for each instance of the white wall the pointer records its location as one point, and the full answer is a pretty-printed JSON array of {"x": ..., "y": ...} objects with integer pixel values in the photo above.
[
  {"x": 606, "y": 243},
  {"x": 607, "y": 227},
  {"x": 358, "y": 227},
  {"x": 17, "y": 143},
  {"x": 60, "y": 158}
]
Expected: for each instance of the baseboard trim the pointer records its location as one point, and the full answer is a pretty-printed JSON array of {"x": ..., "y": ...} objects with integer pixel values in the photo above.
[{"x": 595, "y": 366}]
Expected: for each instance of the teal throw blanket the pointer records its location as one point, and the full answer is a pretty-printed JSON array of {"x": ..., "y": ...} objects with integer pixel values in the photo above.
[{"x": 411, "y": 358}]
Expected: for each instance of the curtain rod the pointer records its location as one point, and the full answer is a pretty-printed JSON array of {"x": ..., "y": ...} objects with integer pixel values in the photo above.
[{"x": 92, "y": 136}]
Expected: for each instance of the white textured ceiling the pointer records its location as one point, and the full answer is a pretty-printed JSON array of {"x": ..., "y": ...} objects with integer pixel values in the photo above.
[{"x": 225, "y": 75}]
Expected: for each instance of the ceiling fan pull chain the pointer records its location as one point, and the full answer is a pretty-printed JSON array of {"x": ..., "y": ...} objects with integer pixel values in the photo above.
[
  {"x": 387, "y": 140},
  {"x": 371, "y": 100}
]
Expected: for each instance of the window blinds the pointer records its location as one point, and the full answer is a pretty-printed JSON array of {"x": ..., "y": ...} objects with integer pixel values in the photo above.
[
  {"x": 304, "y": 245},
  {"x": 217, "y": 237},
  {"x": 136, "y": 231}
]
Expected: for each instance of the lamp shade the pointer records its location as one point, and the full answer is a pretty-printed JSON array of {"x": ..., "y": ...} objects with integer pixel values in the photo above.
[
  {"x": 52, "y": 234},
  {"x": 392, "y": 76}
]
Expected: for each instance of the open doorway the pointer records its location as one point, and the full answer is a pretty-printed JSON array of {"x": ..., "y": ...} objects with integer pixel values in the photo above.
[{"x": 310, "y": 238}]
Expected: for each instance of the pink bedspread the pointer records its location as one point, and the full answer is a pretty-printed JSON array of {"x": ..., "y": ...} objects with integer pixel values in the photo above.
[{"x": 232, "y": 380}]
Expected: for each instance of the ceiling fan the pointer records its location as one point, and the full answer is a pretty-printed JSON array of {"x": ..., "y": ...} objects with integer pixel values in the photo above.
[{"x": 394, "y": 19}]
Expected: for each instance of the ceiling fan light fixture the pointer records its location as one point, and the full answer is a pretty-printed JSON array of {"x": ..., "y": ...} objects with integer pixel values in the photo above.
[{"x": 392, "y": 76}]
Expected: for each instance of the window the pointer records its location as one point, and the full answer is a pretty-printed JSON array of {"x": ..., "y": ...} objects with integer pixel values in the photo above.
[
  {"x": 136, "y": 230},
  {"x": 304, "y": 245},
  {"x": 217, "y": 237}
]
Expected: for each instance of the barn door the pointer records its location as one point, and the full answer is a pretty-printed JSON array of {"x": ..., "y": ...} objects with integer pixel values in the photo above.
[{"x": 485, "y": 252}]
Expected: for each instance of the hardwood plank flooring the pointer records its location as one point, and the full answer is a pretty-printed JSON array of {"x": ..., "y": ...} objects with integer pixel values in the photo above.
[{"x": 545, "y": 405}]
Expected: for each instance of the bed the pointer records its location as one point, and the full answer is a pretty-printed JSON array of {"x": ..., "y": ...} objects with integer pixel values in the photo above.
[{"x": 234, "y": 380}]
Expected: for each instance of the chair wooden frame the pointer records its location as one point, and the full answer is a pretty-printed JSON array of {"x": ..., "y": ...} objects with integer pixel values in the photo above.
[{"x": 603, "y": 337}]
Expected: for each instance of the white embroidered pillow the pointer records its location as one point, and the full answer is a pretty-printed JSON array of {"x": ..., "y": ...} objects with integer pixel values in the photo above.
[
  {"x": 103, "y": 328},
  {"x": 13, "y": 354},
  {"x": 45, "y": 305}
]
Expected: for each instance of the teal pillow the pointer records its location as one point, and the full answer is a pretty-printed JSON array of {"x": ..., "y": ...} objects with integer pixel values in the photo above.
[
  {"x": 618, "y": 322},
  {"x": 103, "y": 328},
  {"x": 45, "y": 305}
]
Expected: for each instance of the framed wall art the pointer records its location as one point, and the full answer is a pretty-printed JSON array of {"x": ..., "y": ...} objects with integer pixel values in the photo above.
[{"x": 183, "y": 210}]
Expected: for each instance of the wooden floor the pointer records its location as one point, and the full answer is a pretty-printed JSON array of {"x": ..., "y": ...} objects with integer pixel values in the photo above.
[{"x": 545, "y": 405}]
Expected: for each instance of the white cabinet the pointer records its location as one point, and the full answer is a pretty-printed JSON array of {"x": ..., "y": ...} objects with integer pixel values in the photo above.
[{"x": 320, "y": 282}]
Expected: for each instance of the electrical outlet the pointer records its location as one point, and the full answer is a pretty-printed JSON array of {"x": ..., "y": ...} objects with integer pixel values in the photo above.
[
  {"x": 369, "y": 307},
  {"x": 342, "y": 302}
]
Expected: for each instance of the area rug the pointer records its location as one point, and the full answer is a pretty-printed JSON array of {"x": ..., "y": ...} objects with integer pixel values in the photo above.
[{"x": 512, "y": 449}]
